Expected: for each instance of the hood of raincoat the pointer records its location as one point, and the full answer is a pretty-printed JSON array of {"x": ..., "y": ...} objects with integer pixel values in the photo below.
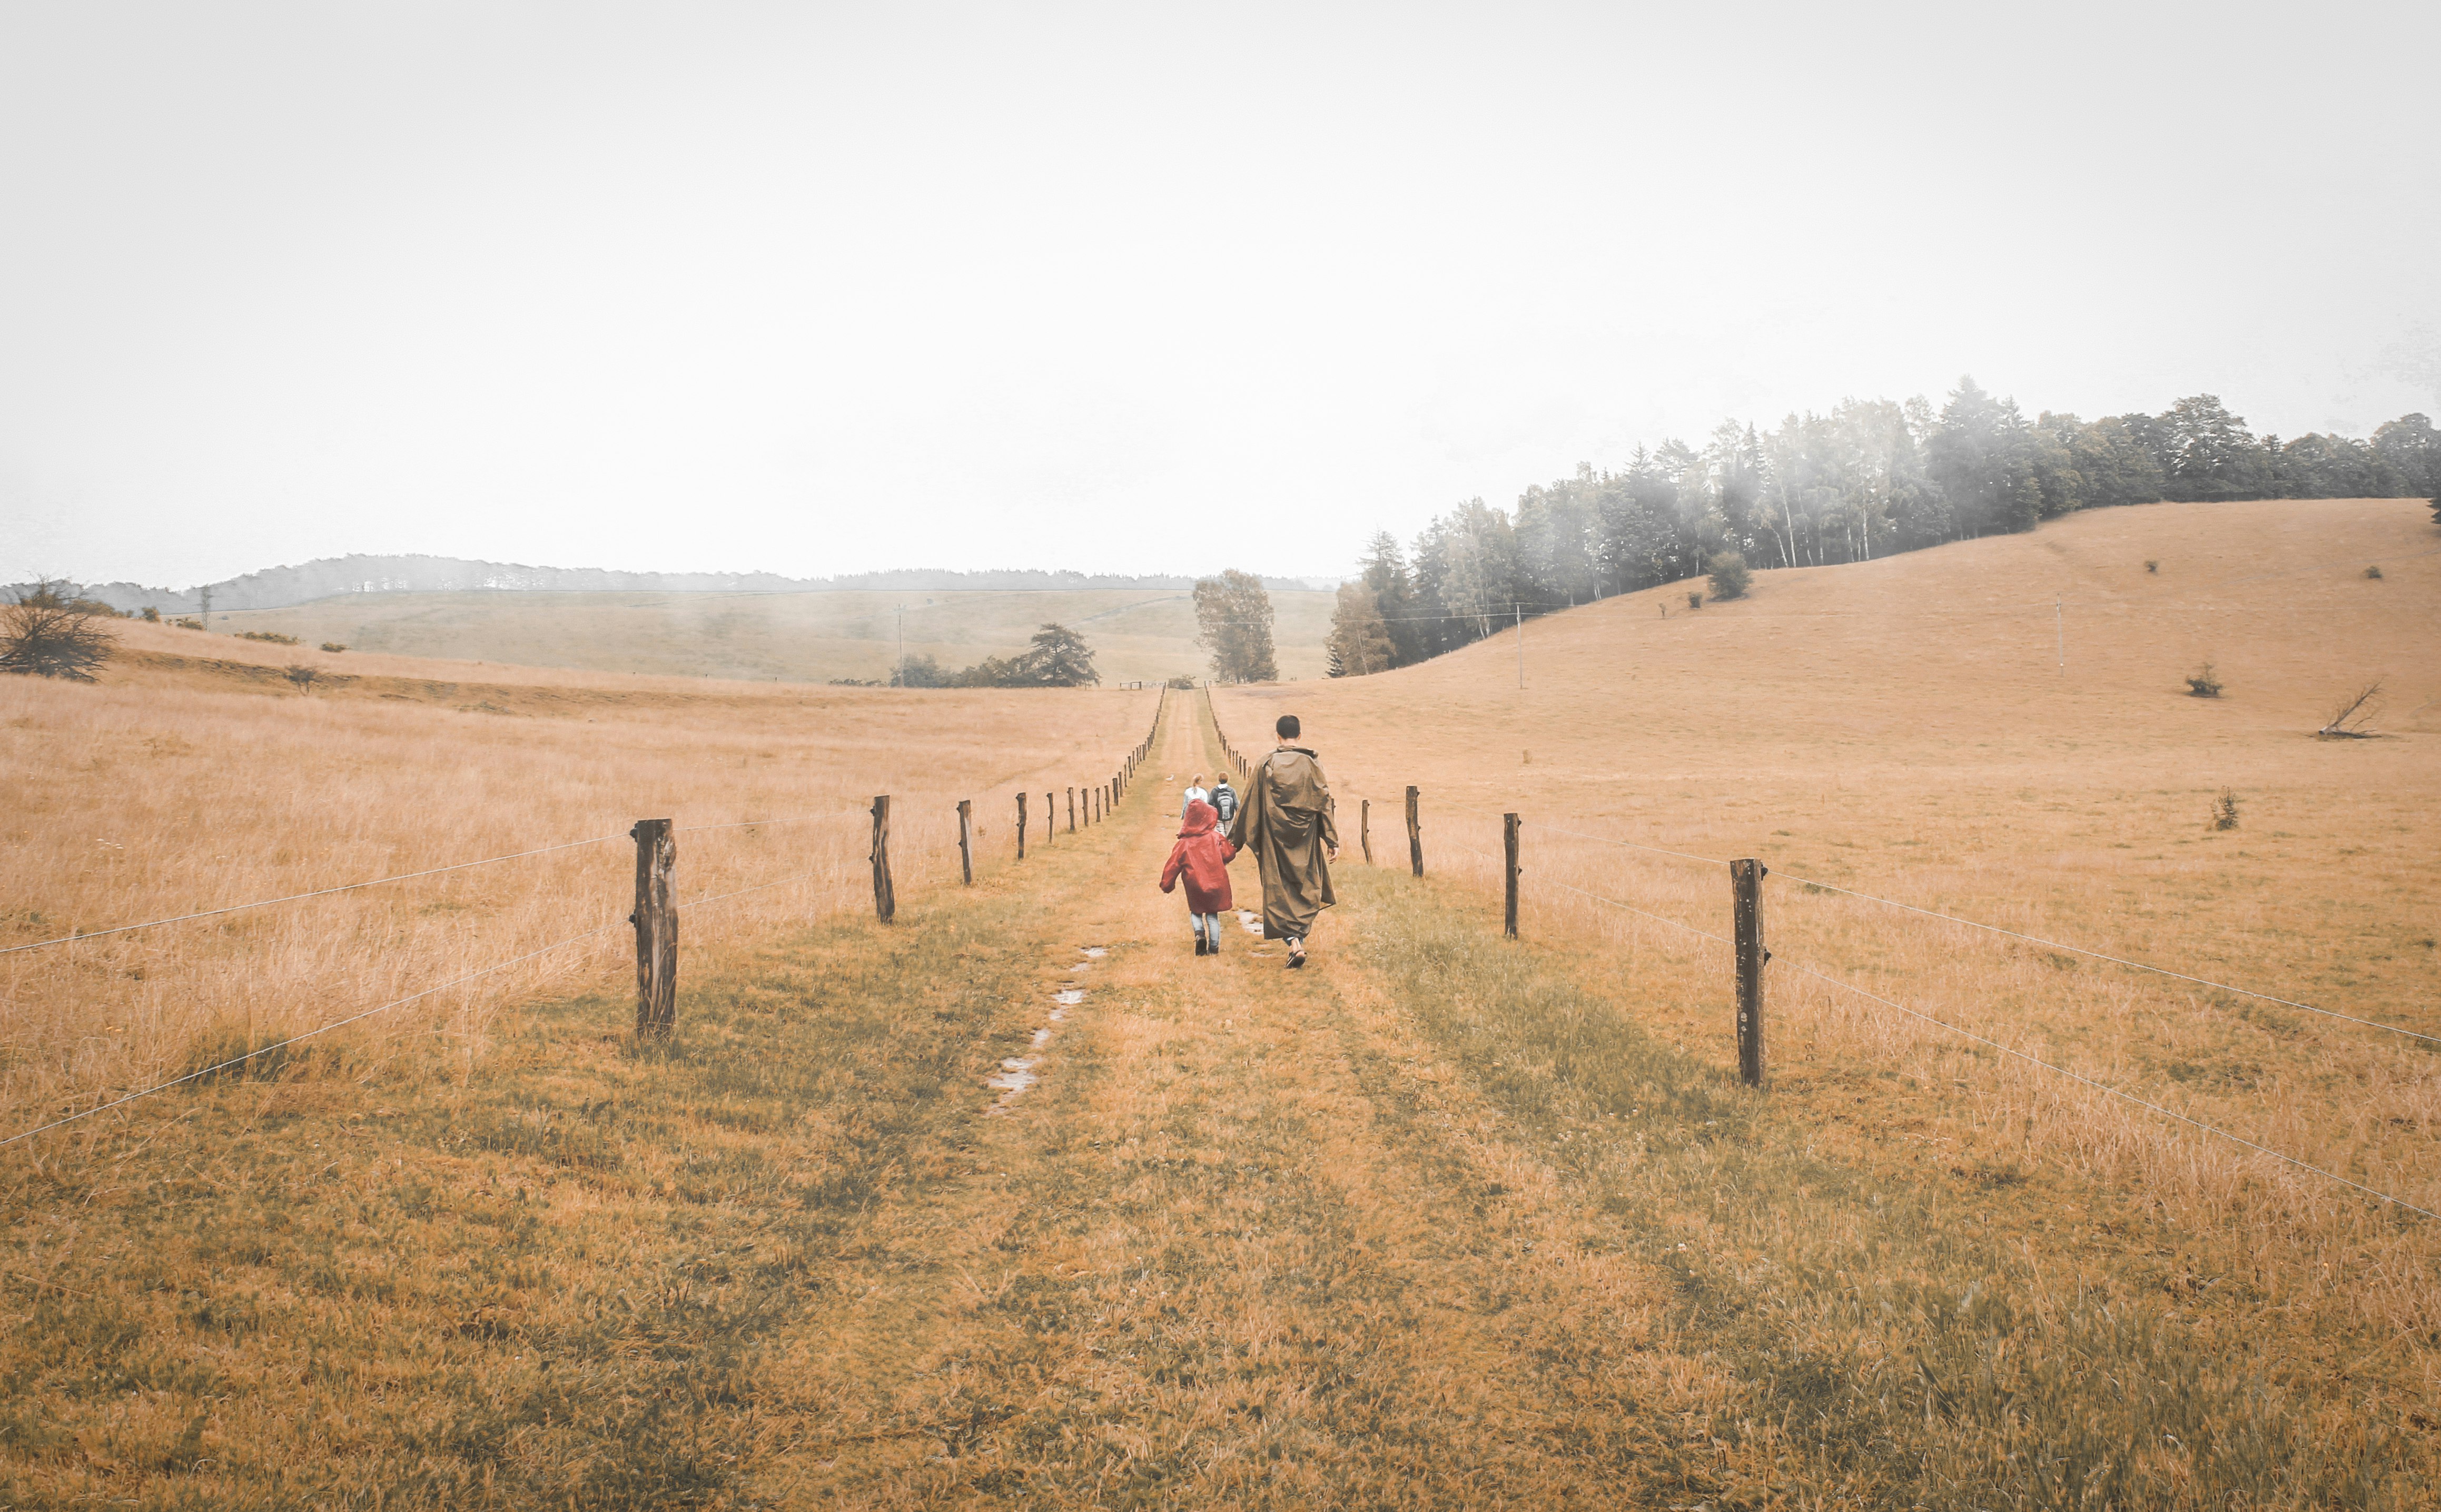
[{"x": 1201, "y": 817}]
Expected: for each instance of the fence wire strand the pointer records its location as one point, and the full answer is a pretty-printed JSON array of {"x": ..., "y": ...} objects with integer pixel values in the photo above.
[
  {"x": 1659, "y": 918},
  {"x": 299, "y": 1038},
  {"x": 317, "y": 892},
  {"x": 2105, "y": 1087},
  {"x": 2121, "y": 961}
]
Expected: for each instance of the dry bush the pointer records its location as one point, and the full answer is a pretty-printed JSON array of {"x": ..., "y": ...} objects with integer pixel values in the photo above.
[
  {"x": 46, "y": 634},
  {"x": 2351, "y": 715}
]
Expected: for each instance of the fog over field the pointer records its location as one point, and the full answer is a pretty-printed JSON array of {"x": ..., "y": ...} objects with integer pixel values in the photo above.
[{"x": 810, "y": 290}]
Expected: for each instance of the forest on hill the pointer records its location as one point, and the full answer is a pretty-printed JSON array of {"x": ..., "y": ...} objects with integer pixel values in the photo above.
[{"x": 1868, "y": 478}]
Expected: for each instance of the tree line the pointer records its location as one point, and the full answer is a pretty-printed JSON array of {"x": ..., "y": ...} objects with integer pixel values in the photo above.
[{"x": 1868, "y": 478}]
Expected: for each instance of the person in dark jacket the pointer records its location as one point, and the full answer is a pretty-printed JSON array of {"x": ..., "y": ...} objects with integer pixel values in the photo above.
[
  {"x": 1224, "y": 802},
  {"x": 1201, "y": 857},
  {"x": 1289, "y": 823}
]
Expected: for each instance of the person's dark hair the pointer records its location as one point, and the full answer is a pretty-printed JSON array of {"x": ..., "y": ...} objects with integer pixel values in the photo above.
[{"x": 1288, "y": 727}]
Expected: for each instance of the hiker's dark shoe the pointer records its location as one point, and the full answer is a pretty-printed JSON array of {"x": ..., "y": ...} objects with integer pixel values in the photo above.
[
  {"x": 1201, "y": 948},
  {"x": 1296, "y": 958}
]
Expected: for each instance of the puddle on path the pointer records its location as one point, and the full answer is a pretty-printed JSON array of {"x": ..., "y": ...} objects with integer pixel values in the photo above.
[
  {"x": 1250, "y": 923},
  {"x": 1096, "y": 952},
  {"x": 1017, "y": 1073}
]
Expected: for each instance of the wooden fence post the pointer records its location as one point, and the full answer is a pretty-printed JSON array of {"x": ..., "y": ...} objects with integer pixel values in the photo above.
[
  {"x": 656, "y": 930},
  {"x": 1509, "y": 843},
  {"x": 885, "y": 901},
  {"x": 1072, "y": 811},
  {"x": 1415, "y": 835},
  {"x": 967, "y": 838},
  {"x": 1745, "y": 889},
  {"x": 1365, "y": 827},
  {"x": 1050, "y": 815},
  {"x": 1020, "y": 826}
]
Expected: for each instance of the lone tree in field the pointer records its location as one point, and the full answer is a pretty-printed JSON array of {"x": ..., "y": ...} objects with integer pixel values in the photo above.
[
  {"x": 1730, "y": 578},
  {"x": 1233, "y": 617},
  {"x": 1058, "y": 658},
  {"x": 44, "y": 632},
  {"x": 1360, "y": 642}
]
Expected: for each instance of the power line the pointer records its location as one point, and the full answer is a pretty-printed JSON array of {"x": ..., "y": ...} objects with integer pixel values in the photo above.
[{"x": 294, "y": 897}]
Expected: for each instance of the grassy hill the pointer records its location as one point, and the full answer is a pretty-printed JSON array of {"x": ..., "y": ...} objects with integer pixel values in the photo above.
[
  {"x": 1137, "y": 634},
  {"x": 2002, "y": 731}
]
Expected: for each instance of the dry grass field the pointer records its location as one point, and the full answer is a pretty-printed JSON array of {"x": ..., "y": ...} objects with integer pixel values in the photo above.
[
  {"x": 1138, "y": 636},
  {"x": 1904, "y": 730},
  {"x": 1016, "y": 1202},
  {"x": 196, "y": 777}
]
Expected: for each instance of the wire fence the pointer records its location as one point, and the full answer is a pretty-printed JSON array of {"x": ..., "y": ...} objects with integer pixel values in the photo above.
[
  {"x": 1105, "y": 793},
  {"x": 2040, "y": 1063}
]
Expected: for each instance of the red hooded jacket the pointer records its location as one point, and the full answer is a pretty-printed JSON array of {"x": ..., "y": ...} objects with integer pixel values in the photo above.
[{"x": 1202, "y": 856}]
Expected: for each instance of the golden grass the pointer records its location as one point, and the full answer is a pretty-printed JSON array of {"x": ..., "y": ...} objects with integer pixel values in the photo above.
[
  {"x": 1902, "y": 728},
  {"x": 1137, "y": 635},
  {"x": 179, "y": 786},
  {"x": 1441, "y": 1221}
]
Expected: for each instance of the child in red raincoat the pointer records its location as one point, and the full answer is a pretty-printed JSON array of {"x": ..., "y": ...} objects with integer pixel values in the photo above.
[{"x": 1202, "y": 856}]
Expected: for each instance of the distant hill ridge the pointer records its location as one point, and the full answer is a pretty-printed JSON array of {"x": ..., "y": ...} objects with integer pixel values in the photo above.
[{"x": 327, "y": 577}]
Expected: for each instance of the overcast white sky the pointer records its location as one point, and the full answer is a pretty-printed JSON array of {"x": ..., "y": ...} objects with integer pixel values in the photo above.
[{"x": 1127, "y": 287}]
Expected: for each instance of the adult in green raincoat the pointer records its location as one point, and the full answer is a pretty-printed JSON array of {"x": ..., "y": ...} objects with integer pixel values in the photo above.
[{"x": 1286, "y": 821}]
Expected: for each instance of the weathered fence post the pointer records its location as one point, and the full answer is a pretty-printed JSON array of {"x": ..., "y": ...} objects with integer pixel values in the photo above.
[
  {"x": 1745, "y": 887},
  {"x": 1509, "y": 843},
  {"x": 1365, "y": 827},
  {"x": 657, "y": 929},
  {"x": 966, "y": 838},
  {"x": 1415, "y": 835},
  {"x": 1072, "y": 811},
  {"x": 1020, "y": 826},
  {"x": 885, "y": 901}
]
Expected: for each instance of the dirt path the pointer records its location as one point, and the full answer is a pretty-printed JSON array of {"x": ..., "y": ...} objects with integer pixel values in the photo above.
[{"x": 1240, "y": 1243}]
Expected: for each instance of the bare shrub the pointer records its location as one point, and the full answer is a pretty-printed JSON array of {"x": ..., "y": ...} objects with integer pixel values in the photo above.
[
  {"x": 2225, "y": 810},
  {"x": 303, "y": 676},
  {"x": 2204, "y": 682},
  {"x": 2373, "y": 572},
  {"x": 333, "y": 645},
  {"x": 46, "y": 634},
  {"x": 2351, "y": 715},
  {"x": 1695, "y": 599}
]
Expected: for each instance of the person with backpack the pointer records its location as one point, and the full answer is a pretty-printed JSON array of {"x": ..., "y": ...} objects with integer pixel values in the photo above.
[{"x": 1224, "y": 802}]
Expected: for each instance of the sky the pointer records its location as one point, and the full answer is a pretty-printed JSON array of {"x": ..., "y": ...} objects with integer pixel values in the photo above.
[{"x": 1142, "y": 288}]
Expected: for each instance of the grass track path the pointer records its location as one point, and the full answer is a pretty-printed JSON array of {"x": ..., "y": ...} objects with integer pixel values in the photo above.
[{"x": 1244, "y": 1245}]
